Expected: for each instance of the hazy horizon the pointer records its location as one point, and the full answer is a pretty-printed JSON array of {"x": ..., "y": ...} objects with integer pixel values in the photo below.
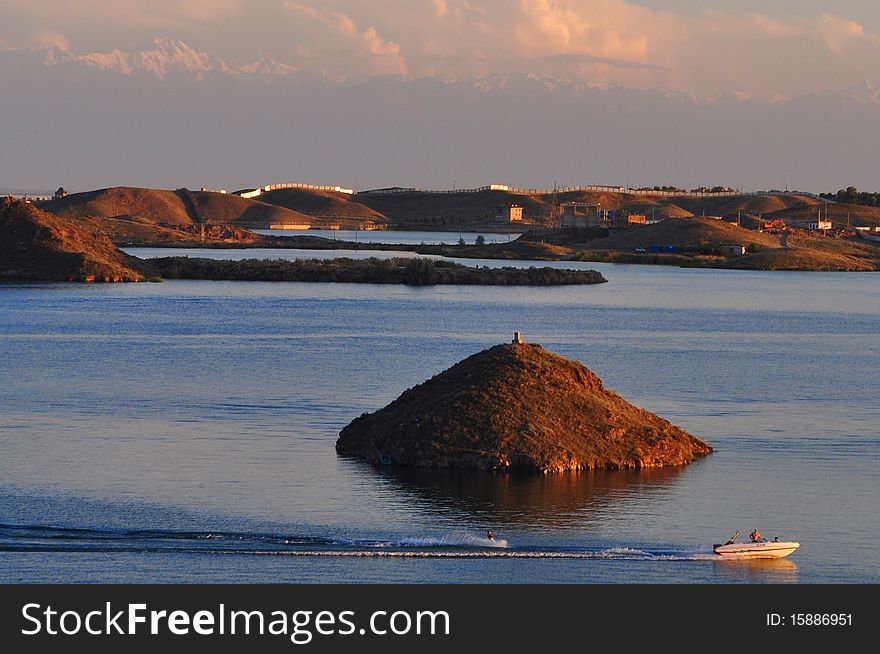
[{"x": 439, "y": 93}]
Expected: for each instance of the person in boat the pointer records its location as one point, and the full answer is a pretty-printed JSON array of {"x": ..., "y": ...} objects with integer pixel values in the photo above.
[
  {"x": 490, "y": 534},
  {"x": 755, "y": 536}
]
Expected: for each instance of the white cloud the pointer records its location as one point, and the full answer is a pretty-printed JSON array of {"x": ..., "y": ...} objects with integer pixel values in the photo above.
[
  {"x": 598, "y": 42},
  {"x": 335, "y": 41},
  {"x": 47, "y": 38}
]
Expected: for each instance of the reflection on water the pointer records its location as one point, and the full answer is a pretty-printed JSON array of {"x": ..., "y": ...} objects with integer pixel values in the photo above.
[
  {"x": 757, "y": 571},
  {"x": 523, "y": 499}
]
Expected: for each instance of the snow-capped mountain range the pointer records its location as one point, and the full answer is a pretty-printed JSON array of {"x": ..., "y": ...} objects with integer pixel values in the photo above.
[
  {"x": 167, "y": 56},
  {"x": 191, "y": 117},
  {"x": 171, "y": 57}
]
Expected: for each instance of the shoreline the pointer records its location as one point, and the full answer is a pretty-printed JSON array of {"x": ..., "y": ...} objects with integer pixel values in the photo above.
[{"x": 532, "y": 251}]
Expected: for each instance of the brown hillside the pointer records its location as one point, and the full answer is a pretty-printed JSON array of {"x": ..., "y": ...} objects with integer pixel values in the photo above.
[
  {"x": 451, "y": 209},
  {"x": 36, "y": 245},
  {"x": 750, "y": 204},
  {"x": 605, "y": 200},
  {"x": 146, "y": 204},
  {"x": 685, "y": 233},
  {"x": 322, "y": 204},
  {"x": 128, "y": 230},
  {"x": 840, "y": 214},
  {"x": 517, "y": 406},
  {"x": 170, "y": 208},
  {"x": 658, "y": 210},
  {"x": 226, "y": 209},
  {"x": 448, "y": 209},
  {"x": 798, "y": 259}
]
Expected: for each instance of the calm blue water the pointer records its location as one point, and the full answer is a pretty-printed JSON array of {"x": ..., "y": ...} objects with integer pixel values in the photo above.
[{"x": 184, "y": 431}]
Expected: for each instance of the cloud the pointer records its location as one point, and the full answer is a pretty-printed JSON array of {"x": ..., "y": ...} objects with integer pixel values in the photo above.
[
  {"x": 602, "y": 43},
  {"x": 155, "y": 13},
  {"x": 340, "y": 46},
  {"x": 591, "y": 59},
  {"x": 44, "y": 39},
  {"x": 596, "y": 42}
]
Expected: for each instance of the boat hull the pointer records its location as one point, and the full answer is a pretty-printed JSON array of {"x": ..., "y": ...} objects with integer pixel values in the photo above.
[{"x": 764, "y": 550}]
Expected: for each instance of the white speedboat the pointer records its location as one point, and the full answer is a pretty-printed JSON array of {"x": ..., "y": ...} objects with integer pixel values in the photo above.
[{"x": 762, "y": 549}]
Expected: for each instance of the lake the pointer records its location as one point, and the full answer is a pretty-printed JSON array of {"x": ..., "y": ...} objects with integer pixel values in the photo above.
[{"x": 185, "y": 431}]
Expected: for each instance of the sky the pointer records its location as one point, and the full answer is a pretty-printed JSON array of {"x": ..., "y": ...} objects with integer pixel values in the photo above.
[
  {"x": 749, "y": 94},
  {"x": 781, "y": 47}
]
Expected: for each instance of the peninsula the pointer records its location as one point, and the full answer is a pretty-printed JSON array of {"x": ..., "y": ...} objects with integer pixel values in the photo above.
[{"x": 37, "y": 245}]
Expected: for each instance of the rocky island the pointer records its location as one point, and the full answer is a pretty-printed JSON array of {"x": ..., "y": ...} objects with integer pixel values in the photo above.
[{"x": 517, "y": 406}]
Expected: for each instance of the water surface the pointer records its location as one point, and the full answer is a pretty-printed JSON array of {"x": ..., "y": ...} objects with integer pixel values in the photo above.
[{"x": 184, "y": 431}]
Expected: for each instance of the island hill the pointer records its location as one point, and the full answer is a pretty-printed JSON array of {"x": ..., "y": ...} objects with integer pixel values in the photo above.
[
  {"x": 734, "y": 236},
  {"x": 37, "y": 245},
  {"x": 517, "y": 406}
]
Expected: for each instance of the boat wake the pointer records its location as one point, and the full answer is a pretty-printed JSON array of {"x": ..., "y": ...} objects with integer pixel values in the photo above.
[{"x": 456, "y": 545}]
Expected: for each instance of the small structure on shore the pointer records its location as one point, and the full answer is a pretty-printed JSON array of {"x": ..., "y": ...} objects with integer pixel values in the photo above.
[
  {"x": 512, "y": 406},
  {"x": 508, "y": 213}
]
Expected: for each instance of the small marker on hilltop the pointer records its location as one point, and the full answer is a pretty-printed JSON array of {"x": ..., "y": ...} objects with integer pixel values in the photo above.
[{"x": 517, "y": 338}]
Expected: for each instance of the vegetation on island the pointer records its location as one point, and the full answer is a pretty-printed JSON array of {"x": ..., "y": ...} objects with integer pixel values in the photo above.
[{"x": 417, "y": 271}]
